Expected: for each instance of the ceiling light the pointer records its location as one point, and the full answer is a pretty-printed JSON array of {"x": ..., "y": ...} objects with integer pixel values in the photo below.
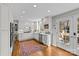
[
  {"x": 49, "y": 11},
  {"x": 23, "y": 12},
  {"x": 34, "y": 6}
]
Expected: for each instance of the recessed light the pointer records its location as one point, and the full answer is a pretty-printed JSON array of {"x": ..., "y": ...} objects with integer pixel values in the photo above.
[
  {"x": 49, "y": 11},
  {"x": 34, "y": 6},
  {"x": 23, "y": 12}
]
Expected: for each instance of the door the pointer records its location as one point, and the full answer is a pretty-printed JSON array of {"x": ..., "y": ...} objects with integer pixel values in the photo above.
[
  {"x": 66, "y": 34},
  {"x": 76, "y": 38}
]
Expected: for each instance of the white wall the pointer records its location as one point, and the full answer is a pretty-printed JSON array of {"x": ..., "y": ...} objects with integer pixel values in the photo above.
[{"x": 5, "y": 18}]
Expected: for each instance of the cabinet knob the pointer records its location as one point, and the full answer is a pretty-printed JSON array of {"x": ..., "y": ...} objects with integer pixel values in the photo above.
[{"x": 74, "y": 33}]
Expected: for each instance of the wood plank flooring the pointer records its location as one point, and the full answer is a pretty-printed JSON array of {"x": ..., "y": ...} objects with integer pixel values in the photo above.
[
  {"x": 15, "y": 51},
  {"x": 48, "y": 51}
]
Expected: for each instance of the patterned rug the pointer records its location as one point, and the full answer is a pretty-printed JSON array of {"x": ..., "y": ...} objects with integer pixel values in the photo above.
[{"x": 26, "y": 48}]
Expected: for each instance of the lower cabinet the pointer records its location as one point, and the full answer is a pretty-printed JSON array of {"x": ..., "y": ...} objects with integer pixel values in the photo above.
[
  {"x": 36, "y": 36},
  {"x": 43, "y": 38},
  {"x": 25, "y": 36}
]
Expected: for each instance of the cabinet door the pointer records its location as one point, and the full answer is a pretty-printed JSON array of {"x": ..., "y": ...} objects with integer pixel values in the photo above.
[
  {"x": 40, "y": 38},
  {"x": 36, "y": 36},
  {"x": 45, "y": 39}
]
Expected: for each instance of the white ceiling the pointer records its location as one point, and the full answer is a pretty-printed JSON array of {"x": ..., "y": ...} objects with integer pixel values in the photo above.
[{"x": 26, "y": 11}]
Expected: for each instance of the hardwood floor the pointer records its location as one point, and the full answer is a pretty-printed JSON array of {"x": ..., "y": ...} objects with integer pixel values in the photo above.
[
  {"x": 47, "y": 51},
  {"x": 15, "y": 51},
  {"x": 52, "y": 51}
]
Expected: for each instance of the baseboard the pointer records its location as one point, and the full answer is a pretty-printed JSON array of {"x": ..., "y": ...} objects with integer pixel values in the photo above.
[{"x": 26, "y": 40}]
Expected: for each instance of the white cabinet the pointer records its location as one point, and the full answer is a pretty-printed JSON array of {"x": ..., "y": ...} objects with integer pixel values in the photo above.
[
  {"x": 25, "y": 36},
  {"x": 36, "y": 36},
  {"x": 45, "y": 39}
]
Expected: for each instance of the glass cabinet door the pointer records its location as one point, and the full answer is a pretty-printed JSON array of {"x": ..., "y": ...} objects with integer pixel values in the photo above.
[
  {"x": 64, "y": 35},
  {"x": 64, "y": 32}
]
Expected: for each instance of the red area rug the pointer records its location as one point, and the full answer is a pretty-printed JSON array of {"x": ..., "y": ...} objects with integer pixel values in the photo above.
[{"x": 28, "y": 47}]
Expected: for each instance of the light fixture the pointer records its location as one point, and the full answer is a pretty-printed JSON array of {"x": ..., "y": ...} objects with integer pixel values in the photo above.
[
  {"x": 23, "y": 12},
  {"x": 49, "y": 11},
  {"x": 34, "y": 6}
]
